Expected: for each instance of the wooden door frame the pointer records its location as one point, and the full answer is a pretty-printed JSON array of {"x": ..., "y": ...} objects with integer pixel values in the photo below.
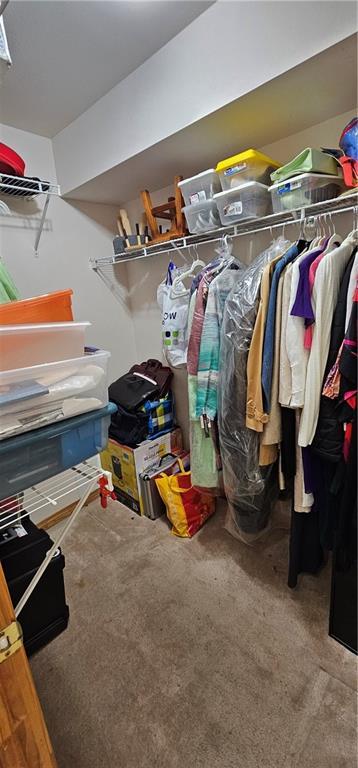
[{"x": 24, "y": 740}]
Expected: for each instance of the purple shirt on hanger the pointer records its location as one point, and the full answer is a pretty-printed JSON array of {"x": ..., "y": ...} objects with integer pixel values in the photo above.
[{"x": 302, "y": 306}]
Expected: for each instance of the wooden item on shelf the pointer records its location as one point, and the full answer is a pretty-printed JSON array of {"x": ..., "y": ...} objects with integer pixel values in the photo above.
[{"x": 171, "y": 211}]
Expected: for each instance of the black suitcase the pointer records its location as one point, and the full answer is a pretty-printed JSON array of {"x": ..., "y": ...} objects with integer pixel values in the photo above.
[{"x": 45, "y": 615}]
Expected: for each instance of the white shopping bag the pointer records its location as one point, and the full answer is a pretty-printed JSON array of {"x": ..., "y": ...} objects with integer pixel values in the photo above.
[{"x": 174, "y": 308}]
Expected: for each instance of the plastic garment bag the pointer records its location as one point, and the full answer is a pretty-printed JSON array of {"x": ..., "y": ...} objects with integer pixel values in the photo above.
[
  {"x": 250, "y": 489},
  {"x": 204, "y": 460}
]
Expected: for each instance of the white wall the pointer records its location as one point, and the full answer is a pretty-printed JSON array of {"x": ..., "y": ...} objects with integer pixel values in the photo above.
[
  {"x": 228, "y": 51},
  {"x": 78, "y": 232}
]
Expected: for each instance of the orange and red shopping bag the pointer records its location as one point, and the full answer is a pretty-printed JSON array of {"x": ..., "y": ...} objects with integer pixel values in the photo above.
[{"x": 187, "y": 507}]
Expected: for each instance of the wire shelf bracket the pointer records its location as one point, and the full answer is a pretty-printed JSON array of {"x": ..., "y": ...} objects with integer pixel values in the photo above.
[
  {"x": 85, "y": 476},
  {"x": 28, "y": 188}
]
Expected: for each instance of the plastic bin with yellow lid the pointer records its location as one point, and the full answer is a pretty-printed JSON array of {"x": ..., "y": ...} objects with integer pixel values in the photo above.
[{"x": 250, "y": 165}]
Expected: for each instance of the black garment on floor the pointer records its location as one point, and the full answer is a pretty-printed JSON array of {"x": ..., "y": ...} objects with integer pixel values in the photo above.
[{"x": 305, "y": 550}]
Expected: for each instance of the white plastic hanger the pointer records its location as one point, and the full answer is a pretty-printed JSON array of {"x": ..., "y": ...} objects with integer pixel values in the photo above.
[{"x": 176, "y": 294}]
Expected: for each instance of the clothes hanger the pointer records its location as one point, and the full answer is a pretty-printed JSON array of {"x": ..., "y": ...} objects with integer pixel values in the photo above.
[
  {"x": 176, "y": 294},
  {"x": 354, "y": 233},
  {"x": 333, "y": 237}
]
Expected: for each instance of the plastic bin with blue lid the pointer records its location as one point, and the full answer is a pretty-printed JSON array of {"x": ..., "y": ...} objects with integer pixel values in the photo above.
[{"x": 35, "y": 456}]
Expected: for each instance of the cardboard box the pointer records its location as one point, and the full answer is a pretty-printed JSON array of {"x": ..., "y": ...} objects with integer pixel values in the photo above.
[{"x": 126, "y": 464}]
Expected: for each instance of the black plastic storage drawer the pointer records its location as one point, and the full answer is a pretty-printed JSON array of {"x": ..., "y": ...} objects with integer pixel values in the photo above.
[{"x": 45, "y": 615}]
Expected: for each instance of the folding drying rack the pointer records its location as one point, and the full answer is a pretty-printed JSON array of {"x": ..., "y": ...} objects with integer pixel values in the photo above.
[{"x": 85, "y": 476}]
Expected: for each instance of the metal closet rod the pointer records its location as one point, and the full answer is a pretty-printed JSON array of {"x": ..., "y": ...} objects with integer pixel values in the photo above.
[{"x": 182, "y": 243}]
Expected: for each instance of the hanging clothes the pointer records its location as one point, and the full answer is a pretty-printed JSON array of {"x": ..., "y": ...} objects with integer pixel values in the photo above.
[
  {"x": 209, "y": 354},
  {"x": 268, "y": 347},
  {"x": 325, "y": 294},
  {"x": 255, "y": 413},
  {"x": 272, "y": 433},
  {"x": 203, "y": 457},
  {"x": 285, "y": 377},
  {"x": 332, "y": 476},
  {"x": 250, "y": 490},
  {"x": 328, "y": 437}
]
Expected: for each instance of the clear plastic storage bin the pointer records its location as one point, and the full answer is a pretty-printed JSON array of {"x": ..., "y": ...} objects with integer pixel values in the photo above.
[
  {"x": 202, "y": 217},
  {"x": 201, "y": 187},
  {"x": 24, "y": 345},
  {"x": 43, "y": 394},
  {"x": 29, "y": 459},
  {"x": 306, "y": 189},
  {"x": 248, "y": 201},
  {"x": 246, "y": 166}
]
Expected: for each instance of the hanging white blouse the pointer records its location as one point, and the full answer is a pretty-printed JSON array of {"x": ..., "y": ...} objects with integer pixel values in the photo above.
[
  {"x": 325, "y": 294},
  {"x": 285, "y": 377}
]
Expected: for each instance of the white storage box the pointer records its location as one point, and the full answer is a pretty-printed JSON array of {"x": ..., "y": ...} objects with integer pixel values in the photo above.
[
  {"x": 41, "y": 394},
  {"x": 201, "y": 187},
  {"x": 248, "y": 201},
  {"x": 24, "y": 345},
  {"x": 306, "y": 189},
  {"x": 202, "y": 217}
]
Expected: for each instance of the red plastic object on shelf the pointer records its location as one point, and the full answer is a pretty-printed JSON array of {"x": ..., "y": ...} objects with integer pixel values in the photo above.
[{"x": 10, "y": 162}]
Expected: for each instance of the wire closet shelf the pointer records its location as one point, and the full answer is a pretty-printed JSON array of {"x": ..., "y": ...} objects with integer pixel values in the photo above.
[
  {"x": 27, "y": 188},
  {"x": 252, "y": 226},
  {"x": 18, "y": 186}
]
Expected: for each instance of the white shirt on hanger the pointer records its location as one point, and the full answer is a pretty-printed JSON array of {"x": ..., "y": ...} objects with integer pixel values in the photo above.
[
  {"x": 297, "y": 354},
  {"x": 325, "y": 295}
]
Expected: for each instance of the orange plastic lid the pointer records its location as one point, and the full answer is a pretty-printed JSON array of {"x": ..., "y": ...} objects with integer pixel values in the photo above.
[{"x": 49, "y": 308}]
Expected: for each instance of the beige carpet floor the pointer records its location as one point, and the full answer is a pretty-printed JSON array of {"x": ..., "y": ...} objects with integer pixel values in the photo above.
[{"x": 192, "y": 654}]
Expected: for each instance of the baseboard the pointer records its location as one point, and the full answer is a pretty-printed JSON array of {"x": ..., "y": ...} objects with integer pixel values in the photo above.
[{"x": 61, "y": 514}]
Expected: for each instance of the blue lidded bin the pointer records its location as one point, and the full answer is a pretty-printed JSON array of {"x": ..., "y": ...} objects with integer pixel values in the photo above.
[{"x": 35, "y": 456}]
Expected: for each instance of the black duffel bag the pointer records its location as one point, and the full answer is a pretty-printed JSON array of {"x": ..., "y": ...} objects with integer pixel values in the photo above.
[{"x": 132, "y": 390}]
